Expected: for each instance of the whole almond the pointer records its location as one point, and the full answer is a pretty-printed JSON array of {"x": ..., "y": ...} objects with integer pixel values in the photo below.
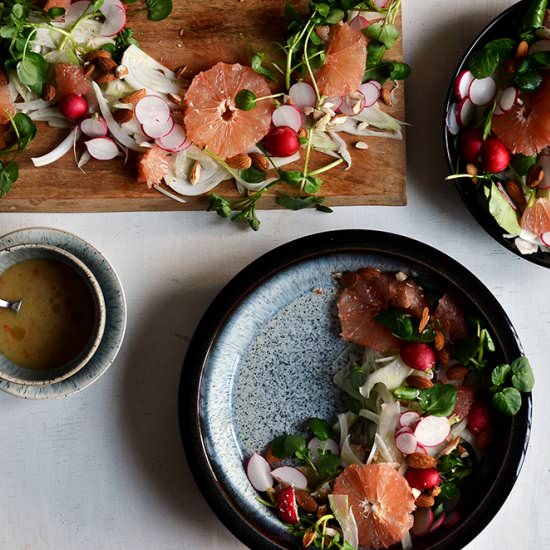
[
  {"x": 259, "y": 161},
  {"x": 535, "y": 176},
  {"x": 97, "y": 54},
  {"x": 134, "y": 97},
  {"x": 435, "y": 491},
  {"x": 242, "y": 161},
  {"x": 49, "y": 92},
  {"x": 106, "y": 64},
  {"x": 195, "y": 173},
  {"x": 306, "y": 501},
  {"x": 457, "y": 372},
  {"x": 419, "y": 382},
  {"x": 385, "y": 96},
  {"x": 421, "y": 461},
  {"x": 516, "y": 194},
  {"x": 123, "y": 115},
  {"x": 443, "y": 357},
  {"x": 473, "y": 171},
  {"x": 424, "y": 501},
  {"x": 522, "y": 50}
]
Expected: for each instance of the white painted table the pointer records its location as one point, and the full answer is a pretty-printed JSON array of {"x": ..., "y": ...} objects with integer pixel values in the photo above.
[{"x": 105, "y": 469}]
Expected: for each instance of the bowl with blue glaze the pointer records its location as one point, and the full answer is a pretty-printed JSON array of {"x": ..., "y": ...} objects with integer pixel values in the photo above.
[
  {"x": 18, "y": 374},
  {"x": 261, "y": 364}
]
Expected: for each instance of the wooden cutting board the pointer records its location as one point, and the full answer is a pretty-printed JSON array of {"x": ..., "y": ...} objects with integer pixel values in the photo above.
[{"x": 199, "y": 34}]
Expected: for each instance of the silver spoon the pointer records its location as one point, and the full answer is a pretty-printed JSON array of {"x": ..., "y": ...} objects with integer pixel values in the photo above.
[{"x": 14, "y": 306}]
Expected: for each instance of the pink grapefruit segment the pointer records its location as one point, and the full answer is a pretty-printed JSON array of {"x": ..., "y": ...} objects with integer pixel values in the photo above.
[
  {"x": 525, "y": 128},
  {"x": 213, "y": 120},
  {"x": 70, "y": 79},
  {"x": 7, "y": 107},
  {"x": 346, "y": 56},
  {"x": 381, "y": 501},
  {"x": 536, "y": 218},
  {"x": 153, "y": 166}
]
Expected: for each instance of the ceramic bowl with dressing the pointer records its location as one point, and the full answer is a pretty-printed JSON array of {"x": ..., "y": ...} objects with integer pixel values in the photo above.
[{"x": 62, "y": 318}]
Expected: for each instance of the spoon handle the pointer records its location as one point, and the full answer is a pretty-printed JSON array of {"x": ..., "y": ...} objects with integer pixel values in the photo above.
[{"x": 5, "y": 304}]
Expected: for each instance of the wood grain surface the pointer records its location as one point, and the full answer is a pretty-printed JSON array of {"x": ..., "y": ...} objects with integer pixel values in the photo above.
[{"x": 197, "y": 35}]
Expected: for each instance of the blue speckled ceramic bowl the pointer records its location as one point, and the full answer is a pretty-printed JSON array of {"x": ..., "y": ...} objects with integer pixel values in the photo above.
[
  {"x": 261, "y": 364},
  {"x": 115, "y": 312},
  {"x": 14, "y": 373}
]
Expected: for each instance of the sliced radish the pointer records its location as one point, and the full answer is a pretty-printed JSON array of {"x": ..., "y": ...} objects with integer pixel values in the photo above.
[
  {"x": 505, "y": 195},
  {"x": 482, "y": 90},
  {"x": 462, "y": 84},
  {"x": 287, "y": 115},
  {"x": 432, "y": 430},
  {"x": 302, "y": 95},
  {"x": 152, "y": 109},
  {"x": 452, "y": 121},
  {"x": 258, "y": 472},
  {"x": 359, "y": 23},
  {"x": 421, "y": 449},
  {"x": 423, "y": 521},
  {"x": 508, "y": 98},
  {"x": 175, "y": 140},
  {"x": 155, "y": 129},
  {"x": 406, "y": 443},
  {"x": 371, "y": 92},
  {"x": 102, "y": 148},
  {"x": 465, "y": 112},
  {"x": 404, "y": 430},
  {"x": 381, "y": 4},
  {"x": 451, "y": 519},
  {"x": 318, "y": 447},
  {"x": 75, "y": 11},
  {"x": 545, "y": 238},
  {"x": 94, "y": 127},
  {"x": 409, "y": 419},
  {"x": 115, "y": 17},
  {"x": 438, "y": 522},
  {"x": 353, "y": 104},
  {"x": 290, "y": 476},
  {"x": 334, "y": 102}
]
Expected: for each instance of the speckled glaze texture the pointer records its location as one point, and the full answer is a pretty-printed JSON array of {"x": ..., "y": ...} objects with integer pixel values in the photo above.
[
  {"x": 115, "y": 312},
  {"x": 11, "y": 372},
  {"x": 261, "y": 364}
]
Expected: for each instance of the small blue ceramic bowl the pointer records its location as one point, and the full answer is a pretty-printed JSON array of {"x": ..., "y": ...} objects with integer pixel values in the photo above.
[
  {"x": 11, "y": 372},
  {"x": 261, "y": 364}
]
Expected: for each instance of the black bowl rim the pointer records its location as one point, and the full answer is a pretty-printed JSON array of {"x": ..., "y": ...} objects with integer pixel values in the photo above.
[
  {"x": 481, "y": 214},
  {"x": 284, "y": 256}
]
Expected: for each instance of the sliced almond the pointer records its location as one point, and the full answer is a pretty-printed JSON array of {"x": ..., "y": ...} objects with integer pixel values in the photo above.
[
  {"x": 195, "y": 174},
  {"x": 535, "y": 176},
  {"x": 515, "y": 191},
  {"x": 121, "y": 71},
  {"x": 242, "y": 161},
  {"x": 421, "y": 461},
  {"x": 424, "y": 320},
  {"x": 49, "y": 92},
  {"x": 134, "y": 97},
  {"x": 306, "y": 501},
  {"x": 385, "y": 96}
]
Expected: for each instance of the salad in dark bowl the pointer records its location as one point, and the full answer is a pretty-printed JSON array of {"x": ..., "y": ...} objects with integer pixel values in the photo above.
[{"x": 497, "y": 132}]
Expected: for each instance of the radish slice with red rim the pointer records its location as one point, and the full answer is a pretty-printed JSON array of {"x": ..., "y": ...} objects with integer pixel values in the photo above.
[
  {"x": 452, "y": 121},
  {"x": 432, "y": 430},
  {"x": 102, "y": 148},
  {"x": 406, "y": 443},
  {"x": 156, "y": 130},
  {"x": 508, "y": 98},
  {"x": 258, "y": 472},
  {"x": 175, "y": 140},
  {"x": 115, "y": 17},
  {"x": 462, "y": 84},
  {"x": 465, "y": 112},
  {"x": 334, "y": 102},
  {"x": 482, "y": 90},
  {"x": 290, "y": 476},
  {"x": 94, "y": 127},
  {"x": 353, "y": 104},
  {"x": 152, "y": 108},
  {"x": 409, "y": 418},
  {"x": 545, "y": 238},
  {"x": 421, "y": 449},
  {"x": 75, "y": 11},
  {"x": 302, "y": 95},
  {"x": 438, "y": 522},
  {"x": 505, "y": 195},
  {"x": 371, "y": 92},
  {"x": 381, "y": 4},
  {"x": 287, "y": 115},
  {"x": 317, "y": 447},
  {"x": 404, "y": 430},
  {"x": 451, "y": 519},
  {"x": 423, "y": 521}
]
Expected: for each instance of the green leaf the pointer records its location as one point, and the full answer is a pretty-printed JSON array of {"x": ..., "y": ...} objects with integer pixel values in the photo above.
[
  {"x": 529, "y": 81},
  {"x": 523, "y": 378},
  {"x": 522, "y": 164},
  {"x": 312, "y": 185},
  {"x": 220, "y": 205},
  {"x": 405, "y": 393},
  {"x": 534, "y": 16},
  {"x": 294, "y": 444},
  {"x": 8, "y": 31},
  {"x": 320, "y": 428},
  {"x": 357, "y": 375},
  {"x": 398, "y": 70},
  {"x": 31, "y": 70},
  {"x": 439, "y": 400},
  {"x": 278, "y": 447},
  {"x": 56, "y": 12},
  {"x": 293, "y": 177},
  {"x": 252, "y": 175},
  {"x": 503, "y": 212},
  {"x": 386, "y": 34},
  {"x": 375, "y": 53},
  {"x": 500, "y": 374},
  {"x": 297, "y": 203},
  {"x": 256, "y": 64},
  {"x": 507, "y": 401},
  {"x": 335, "y": 16},
  {"x": 404, "y": 326},
  {"x": 484, "y": 62},
  {"x": 158, "y": 9},
  {"x": 8, "y": 174},
  {"x": 328, "y": 465}
]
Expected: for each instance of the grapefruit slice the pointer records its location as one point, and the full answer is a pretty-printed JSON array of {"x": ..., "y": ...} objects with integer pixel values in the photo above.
[
  {"x": 381, "y": 501},
  {"x": 464, "y": 401},
  {"x": 7, "y": 108},
  {"x": 346, "y": 56},
  {"x": 525, "y": 128},
  {"x": 450, "y": 315},
  {"x": 153, "y": 166},
  {"x": 70, "y": 79},
  {"x": 213, "y": 120},
  {"x": 536, "y": 218}
]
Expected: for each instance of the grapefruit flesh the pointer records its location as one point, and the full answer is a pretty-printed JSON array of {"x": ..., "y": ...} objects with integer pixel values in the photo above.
[
  {"x": 153, "y": 166},
  {"x": 450, "y": 316},
  {"x": 464, "y": 401},
  {"x": 364, "y": 295},
  {"x": 381, "y": 501},
  {"x": 346, "y": 57},
  {"x": 212, "y": 119},
  {"x": 525, "y": 128},
  {"x": 7, "y": 108},
  {"x": 536, "y": 218},
  {"x": 70, "y": 79}
]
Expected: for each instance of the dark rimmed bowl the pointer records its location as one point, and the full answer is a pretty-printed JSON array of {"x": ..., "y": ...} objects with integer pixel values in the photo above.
[
  {"x": 261, "y": 362},
  {"x": 505, "y": 24}
]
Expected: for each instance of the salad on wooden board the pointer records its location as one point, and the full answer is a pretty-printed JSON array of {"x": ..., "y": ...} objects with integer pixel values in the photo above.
[
  {"x": 425, "y": 396},
  {"x": 78, "y": 65},
  {"x": 501, "y": 122}
]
